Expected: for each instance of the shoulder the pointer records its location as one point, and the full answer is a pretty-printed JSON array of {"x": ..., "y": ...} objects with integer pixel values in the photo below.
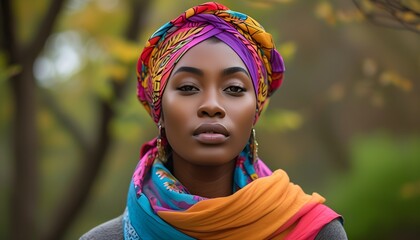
[
  {"x": 111, "y": 229},
  {"x": 332, "y": 231}
]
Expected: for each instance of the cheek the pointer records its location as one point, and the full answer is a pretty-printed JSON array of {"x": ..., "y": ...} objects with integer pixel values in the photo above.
[
  {"x": 170, "y": 112},
  {"x": 174, "y": 116},
  {"x": 243, "y": 113},
  {"x": 243, "y": 118}
]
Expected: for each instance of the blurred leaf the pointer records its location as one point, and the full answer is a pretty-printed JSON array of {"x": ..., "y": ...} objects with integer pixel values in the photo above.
[
  {"x": 367, "y": 5},
  {"x": 45, "y": 119},
  {"x": 410, "y": 190},
  {"x": 280, "y": 120},
  {"x": 407, "y": 16},
  {"x": 99, "y": 82},
  {"x": 349, "y": 16},
  {"x": 96, "y": 20},
  {"x": 372, "y": 86},
  {"x": 336, "y": 92},
  {"x": 390, "y": 77},
  {"x": 7, "y": 71},
  {"x": 370, "y": 67},
  {"x": 259, "y": 4},
  {"x": 89, "y": 19},
  {"x": 117, "y": 71},
  {"x": 266, "y": 4},
  {"x": 122, "y": 50},
  {"x": 324, "y": 10},
  {"x": 413, "y": 4},
  {"x": 46, "y": 123},
  {"x": 104, "y": 89},
  {"x": 288, "y": 50},
  {"x": 126, "y": 129},
  {"x": 278, "y": 1}
]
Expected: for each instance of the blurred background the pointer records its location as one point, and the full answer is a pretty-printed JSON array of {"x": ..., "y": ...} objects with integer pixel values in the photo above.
[{"x": 344, "y": 124}]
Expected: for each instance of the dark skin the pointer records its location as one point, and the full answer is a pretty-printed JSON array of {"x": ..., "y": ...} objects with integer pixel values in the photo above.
[
  {"x": 208, "y": 108},
  {"x": 209, "y": 182}
]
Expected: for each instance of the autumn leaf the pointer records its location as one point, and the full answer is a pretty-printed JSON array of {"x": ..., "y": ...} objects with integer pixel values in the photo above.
[
  {"x": 410, "y": 190},
  {"x": 287, "y": 50},
  {"x": 124, "y": 51},
  {"x": 370, "y": 67},
  {"x": 407, "y": 16},
  {"x": 117, "y": 72},
  {"x": 281, "y": 120},
  {"x": 324, "y": 10},
  {"x": 336, "y": 92},
  {"x": 7, "y": 71},
  {"x": 393, "y": 78},
  {"x": 265, "y": 4}
]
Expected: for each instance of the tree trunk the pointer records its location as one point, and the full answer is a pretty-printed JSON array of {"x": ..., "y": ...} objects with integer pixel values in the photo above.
[
  {"x": 25, "y": 169},
  {"x": 25, "y": 177},
  {"x": 94, "y": 157}
]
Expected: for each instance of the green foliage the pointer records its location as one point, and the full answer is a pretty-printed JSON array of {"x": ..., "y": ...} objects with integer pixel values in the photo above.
[
  {"x": 132, "y": 121},
  {"x": 288, "y": 50},
  {"x": 7, "y": 71},
  {"x": 280, "y": 120},
  {"x": 380, "y": 196}
]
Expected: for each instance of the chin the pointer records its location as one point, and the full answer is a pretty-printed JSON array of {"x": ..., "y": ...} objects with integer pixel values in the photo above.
[
  {"x": 213, "y": 163},
  {"x": 212, "y": 160}
]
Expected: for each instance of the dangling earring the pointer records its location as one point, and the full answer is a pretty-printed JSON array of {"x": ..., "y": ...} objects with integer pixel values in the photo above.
[
  {"x": 254, "y": 146},
  {"x": 161, "y": 149}
]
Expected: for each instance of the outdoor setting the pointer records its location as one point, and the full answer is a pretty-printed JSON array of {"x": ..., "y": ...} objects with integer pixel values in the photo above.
[{"x": 345, "y": 122}]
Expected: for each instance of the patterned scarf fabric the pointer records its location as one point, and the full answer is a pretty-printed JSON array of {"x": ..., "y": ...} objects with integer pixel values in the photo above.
[{"x": 264, "y": 205}]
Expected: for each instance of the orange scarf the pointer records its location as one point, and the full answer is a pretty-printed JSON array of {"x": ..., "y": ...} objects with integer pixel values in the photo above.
[{"x": 268, "y": 208}]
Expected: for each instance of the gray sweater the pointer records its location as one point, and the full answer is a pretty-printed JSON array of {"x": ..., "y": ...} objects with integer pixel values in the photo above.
[{"x": 113, "y": 230}]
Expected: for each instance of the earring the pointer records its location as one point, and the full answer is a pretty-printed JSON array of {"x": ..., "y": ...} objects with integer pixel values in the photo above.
[
  {"x": 161, "y": 149},
  {"x": 254, "y": 146}
]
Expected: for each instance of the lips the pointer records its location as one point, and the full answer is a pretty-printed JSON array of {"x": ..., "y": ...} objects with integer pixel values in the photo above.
[{"x": 211, "y": 133}]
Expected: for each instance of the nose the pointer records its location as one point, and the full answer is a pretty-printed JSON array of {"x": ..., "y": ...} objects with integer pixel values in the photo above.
[{"x": 211, "y": 105}]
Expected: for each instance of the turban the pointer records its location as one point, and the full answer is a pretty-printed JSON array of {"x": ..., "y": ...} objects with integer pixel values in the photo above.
[{"x": 242, "y": 33}]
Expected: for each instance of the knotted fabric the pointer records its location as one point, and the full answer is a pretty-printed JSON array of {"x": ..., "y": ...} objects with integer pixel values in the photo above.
[{"x": 264, "y": 205}]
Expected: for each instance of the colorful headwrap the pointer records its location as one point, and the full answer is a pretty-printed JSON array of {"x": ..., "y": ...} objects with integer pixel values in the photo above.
[{"x": 242, "y": 33}]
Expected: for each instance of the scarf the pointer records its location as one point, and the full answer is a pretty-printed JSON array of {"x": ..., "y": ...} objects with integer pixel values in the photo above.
[{"x": 264, "y": 205}]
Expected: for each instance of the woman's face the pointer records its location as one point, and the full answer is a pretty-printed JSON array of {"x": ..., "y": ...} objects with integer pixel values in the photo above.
[{"x": 208, "y": 105}]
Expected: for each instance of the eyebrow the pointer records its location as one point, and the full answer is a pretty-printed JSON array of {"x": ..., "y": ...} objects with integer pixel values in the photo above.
[
  {"x": 233, "y": 70},
  {"x": 225, "y": 72},
  {"x": 192, "y": 70}
]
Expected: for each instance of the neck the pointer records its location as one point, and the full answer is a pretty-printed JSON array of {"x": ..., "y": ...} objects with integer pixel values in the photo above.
[{"x": 204, "y": 180}]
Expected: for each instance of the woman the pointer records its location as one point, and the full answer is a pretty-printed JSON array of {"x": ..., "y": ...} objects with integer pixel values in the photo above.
[{"x": 204, "y": 78}]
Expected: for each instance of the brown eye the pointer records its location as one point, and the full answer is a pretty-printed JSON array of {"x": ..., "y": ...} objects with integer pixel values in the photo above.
[
  {"x": 188, "y": 88},
  {"x": 235, "y": 89}
]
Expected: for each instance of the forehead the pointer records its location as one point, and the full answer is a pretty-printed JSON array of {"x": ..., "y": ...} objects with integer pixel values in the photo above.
[{"x": 211, "y": 54}]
